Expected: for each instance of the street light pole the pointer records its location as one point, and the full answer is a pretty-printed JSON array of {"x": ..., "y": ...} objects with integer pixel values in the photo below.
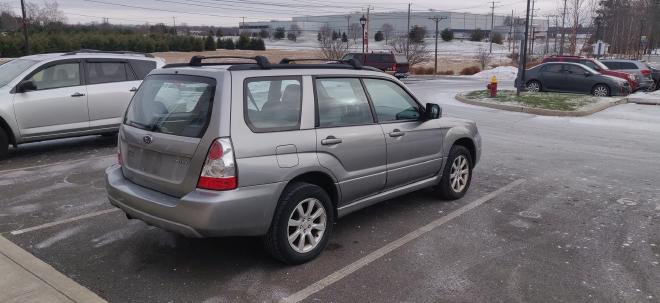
[
  {"x": 363, "y": 22},
  {"x": 563, "y": 31},
  {"x": 437, "y": 33},
  {"x": 25, "y": 29}
]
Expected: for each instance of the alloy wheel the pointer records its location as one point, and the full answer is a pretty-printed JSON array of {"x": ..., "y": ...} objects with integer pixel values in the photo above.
[
  {"x": 459, "y": 174},
  {"x": 601, "y": 91},
  {"x": 533, "y": 87},
  {"x": 306, "y": 226}
]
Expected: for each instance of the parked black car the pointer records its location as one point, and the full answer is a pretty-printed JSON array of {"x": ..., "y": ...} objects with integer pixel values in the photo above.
[
  {"x": 573, "y": 78},
  {"x": 655, "y": 75},
  {"x": 387, "y": 62}
]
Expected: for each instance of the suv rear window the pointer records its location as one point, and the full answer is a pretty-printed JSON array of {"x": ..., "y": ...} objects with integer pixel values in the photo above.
[
  {"x": 173, "y": 104},
  {"x": 142, "y": 67}
]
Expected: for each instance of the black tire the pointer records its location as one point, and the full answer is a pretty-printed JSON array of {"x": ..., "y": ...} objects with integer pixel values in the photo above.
[
  {"x": 596, "y": 87},
  {"x": 535, "y": 82},
  {"x": 445, "y": 188},
  {"x": 276, "y": 240},
  {"x": 4, "y": 144}
]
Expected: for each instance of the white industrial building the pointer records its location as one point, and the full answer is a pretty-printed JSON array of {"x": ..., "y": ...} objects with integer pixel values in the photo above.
[{"x": 461, "y": 23}]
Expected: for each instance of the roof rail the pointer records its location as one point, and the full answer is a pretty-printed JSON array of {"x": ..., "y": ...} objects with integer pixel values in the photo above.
[
  {"x": 95, "y": 51},
  {"x": 352, "y": 62},
  {"x": 260, "y": 60}
]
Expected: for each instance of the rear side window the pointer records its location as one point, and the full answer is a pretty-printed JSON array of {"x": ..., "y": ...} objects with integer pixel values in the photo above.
[
  {"x": 273, "y": 103},
  {"x": 342, "y": 102},
  {"x": 629, "y": 65},
  {"x": 173, "y": 104},
  {"x": 381, "y": 58},
  {"x": 552, "y": 68},
  {"x": 142, "y": 67},
  {"x": 612, "y": 65},
  {"x": 107, "y": 72}
]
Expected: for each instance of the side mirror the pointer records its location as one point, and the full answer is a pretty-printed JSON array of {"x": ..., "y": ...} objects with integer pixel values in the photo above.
[
  {"x": 433, "y": 111},
  {"x": 25, "y": 86},
  {"x": 587, "y": 74}
]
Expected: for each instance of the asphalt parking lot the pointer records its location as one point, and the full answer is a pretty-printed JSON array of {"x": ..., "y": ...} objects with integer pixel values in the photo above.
[{"x": 560, "y": 210}]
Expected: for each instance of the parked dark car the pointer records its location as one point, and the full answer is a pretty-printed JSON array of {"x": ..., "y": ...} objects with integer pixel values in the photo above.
[
  {"x": 573, "y": 78},
  {"x": 598, "y": 66},
  {"x": 387, "y": 62},
  {"x": 655, "y": 74}
]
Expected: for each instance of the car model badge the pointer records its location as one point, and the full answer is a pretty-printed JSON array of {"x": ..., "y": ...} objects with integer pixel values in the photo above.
[{"x": 147, "y": 139}]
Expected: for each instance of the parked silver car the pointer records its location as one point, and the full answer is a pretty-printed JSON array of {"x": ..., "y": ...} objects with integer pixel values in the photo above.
[
  {"x": 280, "y": 150},
  {"x": 573, "y": 78},
  {"x": 640, "y": 69},
  {"x": 60, "y": 95}
]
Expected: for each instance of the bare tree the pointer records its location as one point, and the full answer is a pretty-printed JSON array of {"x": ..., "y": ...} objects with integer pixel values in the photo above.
[
  {"x": 295, "y": 29},
  {"x": 325, "y": 33},
  {"x": 387, "y": 30},
  {"x": 577, "y": 13},
  {"x": 417, "y": 53},
  {"x": 47, "y": 13},
  {"x": 483, "y": 57},
  {"x": 8, "y": 19},
  {"x": 354, "y": 30},
  {"x": 333, "y": 49}
]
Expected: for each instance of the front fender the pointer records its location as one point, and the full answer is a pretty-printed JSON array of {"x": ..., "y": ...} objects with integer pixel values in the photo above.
[
  {"x": 466, "y": 131},
  {"x": 7, "y": 119}
]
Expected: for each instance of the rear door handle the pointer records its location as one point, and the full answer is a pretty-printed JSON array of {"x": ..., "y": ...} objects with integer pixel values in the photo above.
[
  {"x": 78, "y": 95},
  {"x": 331, "y": 140},
  {"x": 134, "y": 89},
  {"x": 396, "y": 133}
]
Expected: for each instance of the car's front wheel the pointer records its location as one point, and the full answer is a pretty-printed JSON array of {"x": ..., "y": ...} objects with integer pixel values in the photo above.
[
  {"x": 457, "y": 174},
  {"x": 302, "y": 224},
  {"x": 4, "y": 144},
  {"x": 600, "y": 90},
  {"x": 534, "y": 86}
]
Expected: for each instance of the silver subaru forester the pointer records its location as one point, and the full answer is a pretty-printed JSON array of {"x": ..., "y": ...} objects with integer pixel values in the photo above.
[{"x": 280, "y": 150}]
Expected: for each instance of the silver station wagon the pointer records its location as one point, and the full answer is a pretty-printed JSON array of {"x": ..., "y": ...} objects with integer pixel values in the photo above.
[{"x": 280, "y": 150}]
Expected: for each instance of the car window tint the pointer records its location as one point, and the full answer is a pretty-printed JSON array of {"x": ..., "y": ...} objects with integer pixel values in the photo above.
[
  {"x": 391, "y": 102},
  {"x": 142, "y": 67},
  {"x": 273, "y": 103},
  {"x": 612, "y": 65},
  {"x": 60, "y": 75},
  {"x": 106, "y": 72},
  {"x": 552, "y": 68},
  {"x": 629, "y": 65},
  {"x": 342, "y": 102},
  {"x": 574, "y": 69}
]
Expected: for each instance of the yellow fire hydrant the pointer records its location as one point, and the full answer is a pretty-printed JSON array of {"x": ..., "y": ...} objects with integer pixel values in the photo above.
[{"x": 492, "y": 87}]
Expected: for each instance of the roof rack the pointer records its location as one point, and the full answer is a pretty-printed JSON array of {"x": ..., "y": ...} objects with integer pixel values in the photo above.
[
  {"x": 95, "y": 51},
  {"x": 197, "y": 60},
  {"x": 352, "y": 62}
]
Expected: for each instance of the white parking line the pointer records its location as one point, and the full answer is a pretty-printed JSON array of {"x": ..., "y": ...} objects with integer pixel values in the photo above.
[
  {"x": 366, "y": 260},
  {"x": 56, "y": 163},
  {"x": 51, "y": 224}
]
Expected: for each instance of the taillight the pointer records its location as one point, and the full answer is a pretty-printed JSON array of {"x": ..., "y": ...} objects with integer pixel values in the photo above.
[
  {"x": 219, "y": 171},
  {"x": 646, "y": 72},
  {"x": 394, "y": 67}
]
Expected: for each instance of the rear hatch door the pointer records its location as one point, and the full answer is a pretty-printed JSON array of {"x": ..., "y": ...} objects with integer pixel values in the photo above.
[{"x": 160, "y": 139}]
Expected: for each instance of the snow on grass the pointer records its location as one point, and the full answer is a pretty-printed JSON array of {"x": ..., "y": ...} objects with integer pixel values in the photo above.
[{"x": 501, "y": 72}]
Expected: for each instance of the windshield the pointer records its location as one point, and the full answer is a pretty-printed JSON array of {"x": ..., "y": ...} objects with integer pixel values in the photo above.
[
  {"x": 172, "y": 104},
  {"x": 10, "y": 70},
  {"x": 597, "y": 65}
]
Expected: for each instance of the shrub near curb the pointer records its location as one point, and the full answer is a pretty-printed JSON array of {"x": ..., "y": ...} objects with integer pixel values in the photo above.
[{"x": 480, "y": 98}]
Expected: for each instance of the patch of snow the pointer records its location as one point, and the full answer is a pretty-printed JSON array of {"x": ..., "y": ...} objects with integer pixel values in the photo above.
[
  {"x": 501, "y": 72},
  {"x": 646, "y": 95},
  {"x": 62, "y": 235}
]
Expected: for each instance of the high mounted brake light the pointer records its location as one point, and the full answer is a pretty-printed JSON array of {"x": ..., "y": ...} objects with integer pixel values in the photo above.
[{"x": 219, "y": 171}]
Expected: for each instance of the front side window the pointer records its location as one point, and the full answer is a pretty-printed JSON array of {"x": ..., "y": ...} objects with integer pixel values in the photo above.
[
  {"x": 273, "y": 103},
  {"x": 106, "y": 72},
  {"x": 173, "y": 104},
  {"x": 56, "y": 76},
  {"x": 342, "y": 102},
  {"x": 12, "y": 69},
  {"x": 391, "y": 102}
]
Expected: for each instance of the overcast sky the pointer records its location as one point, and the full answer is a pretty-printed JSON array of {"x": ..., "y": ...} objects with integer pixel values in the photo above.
[{"x": 230, "y": 12}]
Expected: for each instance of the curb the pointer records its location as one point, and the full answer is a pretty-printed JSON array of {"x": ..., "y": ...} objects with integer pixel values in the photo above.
[
  {"x": 644, "y": 101},
  {"x": 540, "y": 111},
  {"x": 46, "y": 273}
]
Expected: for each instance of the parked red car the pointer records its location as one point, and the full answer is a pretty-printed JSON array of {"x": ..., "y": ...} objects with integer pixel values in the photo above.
[
  {"x": 388, "y": 62},
  {"x": 598, "y": 66}
]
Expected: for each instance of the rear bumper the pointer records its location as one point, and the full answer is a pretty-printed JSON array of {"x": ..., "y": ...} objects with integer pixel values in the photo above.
[{"x": 246, "y": 211}]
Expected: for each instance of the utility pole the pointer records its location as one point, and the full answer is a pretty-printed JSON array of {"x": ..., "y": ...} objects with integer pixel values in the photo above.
[
  {"x": 492, "y": 24},
  {"x": 174, "y": 24},
  {"x": 241, "y": 25},
  {"x": 523, "y": 61},
  {"x": 554, "y": 49},
  {"x": 531, "y": 23},
  {"x": 408, "y": 33},
  {"x": 366, "y": 33},
  {"x": 348, "y": 27},
  {"x": 25, "y": 29},
  {"x": 547, "y": 37},
  {"x": 511, "y": 30},
  {"x": 563, "y": 30},
  {"x": 437, "y": 20}
]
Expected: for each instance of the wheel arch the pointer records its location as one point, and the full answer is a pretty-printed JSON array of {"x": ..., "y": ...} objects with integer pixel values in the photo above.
[
  {"x": 471, "y": 147},
  {"x": 4, "y": 126},
  {"x": 609, "y": 88},
  {"x": 323, "y": 180}
]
